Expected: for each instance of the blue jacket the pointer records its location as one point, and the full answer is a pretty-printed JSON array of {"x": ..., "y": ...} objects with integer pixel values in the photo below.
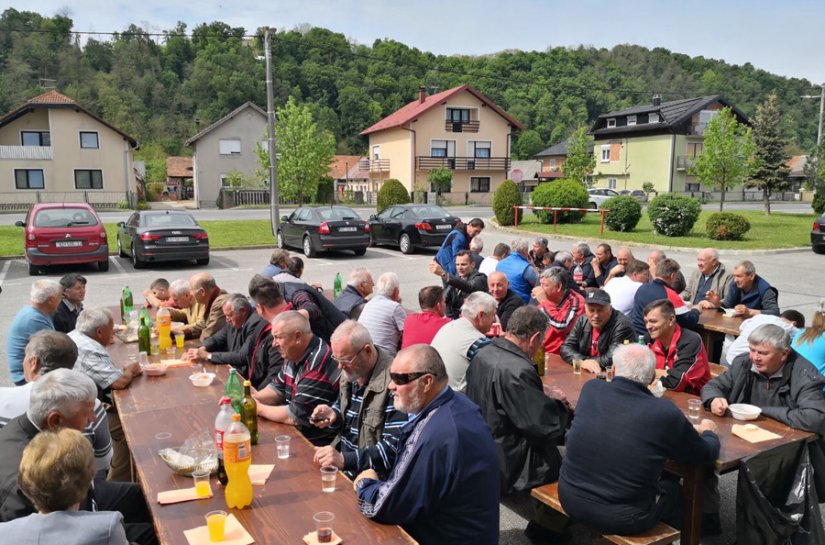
[
  {"x": 653, "y": 291},
  {"x": 454, "y": 243},
  {"x": 762, "y": 296},
  {"x": 513, "y": 266},
  {"x": 444, "y": 488}
]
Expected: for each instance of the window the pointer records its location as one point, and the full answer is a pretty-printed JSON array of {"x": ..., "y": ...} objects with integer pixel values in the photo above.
[
  {"x": 611, "y": 122},
  {"x": 229, "y": 146},
  {"x": 89, "y": 140},
  {"x": 606, "y": 153},
  {"x": 479, "y": 148},
  {"x": 88, "y": 179},
  {"x": 224, "y": 180},
  {"x": 458, "y": 115},
  {"x": 29, "y": 179},
  {"x": 652, "y": 118},
  {"x": 552, "y": 165},
  {"x": 376, "y": 153},
  {"x": 442, "y": 148},
  {"x": 694, "y": 149},
  {"x": 35, "y": 138},
  {"x": 479, "y": 185},
  {"x": 611, "y": 183},
  {"x": 691, "y": 186},
  {"x": 631, "y": 120}
]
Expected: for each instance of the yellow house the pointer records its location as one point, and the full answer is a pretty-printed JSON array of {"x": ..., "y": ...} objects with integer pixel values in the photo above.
[
  {"x": 459, "y": 129},
  {"x": 656, "y": 143},
  {"x": 54, "y": 150}
]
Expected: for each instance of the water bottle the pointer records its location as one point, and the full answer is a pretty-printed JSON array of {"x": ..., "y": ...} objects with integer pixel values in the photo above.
[
  {"x": 222, "y": 423},
  {"x": 336, "y": 286},
  {"x": 234, "y": 390},
  {"x": 126, "y": 305},
  {"x": 642, "y": 340},
  {"x": 578, "y": 275}
]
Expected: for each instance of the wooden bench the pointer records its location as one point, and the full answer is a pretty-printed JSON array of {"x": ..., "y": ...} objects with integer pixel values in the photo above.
[{"x": 660, "y": 534}]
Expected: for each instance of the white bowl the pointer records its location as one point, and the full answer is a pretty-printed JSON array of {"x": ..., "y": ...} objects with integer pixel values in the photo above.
[
  {"x": 154, "y": 369},
  {"x": 743, "y": 411},
  {"x": 730, "y": 312},
  {"x": 202, "y": 380}
]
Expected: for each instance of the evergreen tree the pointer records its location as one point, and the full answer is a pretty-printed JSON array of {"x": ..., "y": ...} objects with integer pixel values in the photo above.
[{"x": 770, "y": 172}]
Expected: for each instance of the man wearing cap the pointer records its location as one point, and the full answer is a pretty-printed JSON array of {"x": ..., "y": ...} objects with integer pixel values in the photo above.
[{"x": 596, "y": 333}]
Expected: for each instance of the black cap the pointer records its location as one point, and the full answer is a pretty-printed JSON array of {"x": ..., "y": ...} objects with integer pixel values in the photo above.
[{"x": 597, "y": 297}]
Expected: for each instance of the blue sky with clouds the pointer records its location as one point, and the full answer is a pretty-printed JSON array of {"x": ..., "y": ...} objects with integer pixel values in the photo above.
[{"x": 782, "y": 37}]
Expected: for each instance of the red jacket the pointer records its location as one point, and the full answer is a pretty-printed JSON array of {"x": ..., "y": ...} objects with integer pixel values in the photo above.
[
  {"x": 686, "y": 361},
  {"x": 560, "y": 319}
]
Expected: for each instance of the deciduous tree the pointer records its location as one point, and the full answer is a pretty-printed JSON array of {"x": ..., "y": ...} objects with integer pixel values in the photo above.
[{"x": 580, "y": 161}]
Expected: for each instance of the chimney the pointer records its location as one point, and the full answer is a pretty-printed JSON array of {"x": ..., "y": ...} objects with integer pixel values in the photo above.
[
  {"x": 657, "y": 100},
  {"x": 422, "y": 95}
]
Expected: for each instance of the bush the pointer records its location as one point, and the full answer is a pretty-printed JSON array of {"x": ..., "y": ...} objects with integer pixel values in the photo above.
[
  {"x": 818, "y": 203},
  {"x": 562, "y": 193},
  {"x": 673, "y": 215},
  {"x": 392, "y": 192},
  {"x": 143, "y": 205},
  {"x": 504, "y": 199},
  {"x": 726, "y": 226},
  {"x": 154, "y": 190},
  {"x": 625, "y": 213}
]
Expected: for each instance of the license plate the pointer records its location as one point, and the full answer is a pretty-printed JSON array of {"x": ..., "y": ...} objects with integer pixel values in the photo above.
[
  {"x": 68, "y": 243},
  {"x": 177, "y": 239},
  {"x": 347, "y": 229},
  {"x": 443, "y": 227}
]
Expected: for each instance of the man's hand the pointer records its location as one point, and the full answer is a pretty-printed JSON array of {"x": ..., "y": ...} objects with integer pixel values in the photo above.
[
  {"x": 592, "y": 366},
  {"x": 713, "y": 298},
  {"x": 366, "y": 474},
  {"x": 322, "y": 417},
  {"x": 705, "y": 304},
  {"x": 538, "y": 294},
  {"x": 618, "y": 270},
  {"x": 706, "y": 425},
  {"x": 743, "y": 311},
  {"x": 435, "y": 268},
  {"x": 557, "y": 393},
  {"x": 718, "y": 406},
  {"x": 133, "y": 369},
  {"x": 196, "y": 355},
  {"x": 328, "y": 456},
  {"x": 597, "y": 268}
]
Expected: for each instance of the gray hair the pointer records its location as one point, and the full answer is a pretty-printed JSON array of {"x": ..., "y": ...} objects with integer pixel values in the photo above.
[
  {"x": 526, "y": 321},
  {"x": 556, "y": 275},
  {"x": 711, "y": 253},
  {"x": 91, "y": 319},
  {"x": 429, "y": 361},
  {"x": 747, "y": 267},
  {"x": 519, "y": 246},
  {"x": 62, "y": 390},
  {"x": 667, "y": 268},
  {"x": 476, "y": 244},
  {"x": 634, "y": 362},
  {"x": 53, "y": 350},
  {"x": 772, "y": 335},
  {"x": 582, "y": 248},
  {"x": 179, "y": 287},
  {"x": 293, "y": 319},
  {"x": 353, "y": 332},
  {"x": 562, "y": 256},
  {"x": 387, "y": 284},
  {"x": 359, "y": 276},
  {"x": 657, "y": 256},
  {"x": 45, "y": 289},
  {"x": 239, "y": 301},
  {"x": 478, "y": 301}
]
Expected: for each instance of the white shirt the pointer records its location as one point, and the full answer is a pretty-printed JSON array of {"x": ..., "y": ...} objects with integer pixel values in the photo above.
[
  {"x": 452, "y": 343},
  {"x": 622, "y": 291},
  {"x": 488, "y": 265},
  {"x": 384, "y": 319},
  {"x": 740, "y": 344}
]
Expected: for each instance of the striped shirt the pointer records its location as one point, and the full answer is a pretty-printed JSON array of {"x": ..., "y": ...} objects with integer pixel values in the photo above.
[
  {"x": 384, "y": 319},
  {"x": 94, "y": 361}
]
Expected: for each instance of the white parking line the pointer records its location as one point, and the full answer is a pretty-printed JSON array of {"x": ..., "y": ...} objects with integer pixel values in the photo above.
[
  {"x": 397, "y": 255},
  {"x": 4, "y": 271},
  {"x": 118, "y": 266}
]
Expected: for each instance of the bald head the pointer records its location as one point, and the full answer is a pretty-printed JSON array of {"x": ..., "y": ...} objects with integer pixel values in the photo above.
[
  {"x": 624, "y": 256},
  {"x": 202, "y": 285}
]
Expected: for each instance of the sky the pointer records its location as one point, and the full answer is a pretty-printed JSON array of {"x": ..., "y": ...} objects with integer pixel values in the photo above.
[{"x": 782, "y": 37}]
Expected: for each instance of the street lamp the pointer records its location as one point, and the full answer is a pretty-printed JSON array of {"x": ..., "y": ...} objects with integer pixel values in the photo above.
[
  {"x": 274, "y": 211},
  {"x": 821, "y": 97}
]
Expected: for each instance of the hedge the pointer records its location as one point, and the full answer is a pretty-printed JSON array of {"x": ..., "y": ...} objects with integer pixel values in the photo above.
[
  {"x": 392, "y": 192},
  {"x": 726, "y": 226},
  {"x": 625, "y": 213},
  {"x": 561, "y": 194},
  {"x": 506, "y": 196},
  {"x": 673, "y": 215}
]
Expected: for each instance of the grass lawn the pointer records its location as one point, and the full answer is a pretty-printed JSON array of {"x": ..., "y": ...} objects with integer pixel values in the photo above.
[{"x": 778, "y": 230}]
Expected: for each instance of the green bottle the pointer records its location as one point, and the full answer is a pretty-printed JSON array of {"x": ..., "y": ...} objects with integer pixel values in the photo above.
[
  {"x": 126, "y": 305},
  {"x": 234, "y": 391},
  {"x": 642, "y": 340},
  {"x": 249, "y": 416},
  {"x": 144, "y": 332},
  {"x": 336, "y": 287}
]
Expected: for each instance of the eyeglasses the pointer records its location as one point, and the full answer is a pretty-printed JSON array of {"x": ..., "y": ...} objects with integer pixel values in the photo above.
[
  {"x": 405, "y": 378},
  {"x": 350, "y": 360}
]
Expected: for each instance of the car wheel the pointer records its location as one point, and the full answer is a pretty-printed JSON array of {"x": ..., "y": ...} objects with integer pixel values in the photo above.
[
  {"x": 360, "y": 251},
  {"x": 203, "y": 262},
  {"x": 136, "y": 261},
  {"x": 120, "y": 251},
  {"x": 281, "y": 243},
  {"x": 819, "y": 249},
  {"x": 594, "y": 206},
  {"x": 34, "y": 270},
  {"x": 373, "y": 244},
  {"x": 103, "y": 266},
  {"x": 405, "y": 244},
  {"x": 309, "y": 251}
]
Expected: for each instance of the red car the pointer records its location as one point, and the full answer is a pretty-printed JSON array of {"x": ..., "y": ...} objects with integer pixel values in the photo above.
[{"x": 64, "y": 233}]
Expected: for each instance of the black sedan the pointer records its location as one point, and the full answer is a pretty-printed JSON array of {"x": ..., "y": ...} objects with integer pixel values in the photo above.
[
  {"x": 818, "y": 235},
  {"x": 151, "y": 236},
  {"x": 319, "y": 228},
  {"x": 411, "y": 225}
]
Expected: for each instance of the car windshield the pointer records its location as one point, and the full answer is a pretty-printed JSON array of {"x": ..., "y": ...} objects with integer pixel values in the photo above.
[
  {"x": 64, "y": 217},
  {"x": 430, "y": 212},
  {"x": 169, "y": 220},
  {"x": 337, "y": 213}
]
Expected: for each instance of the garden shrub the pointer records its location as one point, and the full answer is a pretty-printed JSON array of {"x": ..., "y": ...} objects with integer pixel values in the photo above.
[
  {"x": 726, "y": 226},
  {"x": 818, "y": 203},
  {"x": 673, "y": 215},
  {"x": 392, "y": 192},
  {"x": 562, "y": 193},
  {"x": 625, "y": 213},
  {"x": 504, "y": 199}
]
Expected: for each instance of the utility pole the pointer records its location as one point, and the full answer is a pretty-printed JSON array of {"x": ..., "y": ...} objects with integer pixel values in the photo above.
[
  {"x": 821, "y": 98},
  {"x": 274, "y": 211}
]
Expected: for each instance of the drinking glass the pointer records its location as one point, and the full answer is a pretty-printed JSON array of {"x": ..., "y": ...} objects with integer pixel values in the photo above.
[
  {"x": 694, "y": 407},
  {"x": 202, "y": 487},
  {"x": 577, "y": 367},
  {"x": 282, "y": 446},
  {"x": 323, "y": 526},
  {"x": 328, "y": 475},
  {"x": 179, "y": 338},
  {"x": 216, "y": 523},
  {"x": 608, "y": 373}
]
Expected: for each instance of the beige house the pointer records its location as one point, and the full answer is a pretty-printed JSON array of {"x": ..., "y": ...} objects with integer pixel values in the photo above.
[
  {"x": 459, "y": 129},
  {"x": 54, "y": 150},
  {"x": 225, "y": 146}
]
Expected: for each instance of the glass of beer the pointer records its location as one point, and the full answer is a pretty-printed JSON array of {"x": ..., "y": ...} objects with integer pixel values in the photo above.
[
  {"x": 577, "y": 367},
  {"x": 202, "y": 487},
  {"x": 328, "y": 475},
  {"x": 216, "y": 524},
  {"x": 323, "y": 526}
]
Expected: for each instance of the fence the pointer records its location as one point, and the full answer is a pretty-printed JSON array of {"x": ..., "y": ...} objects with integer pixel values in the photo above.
[
  {"x": 742, "y": 196},
  {"x": 231, "y": 198},
  {"x": 556, "y": 210},
  {"x": 96, "y": 199}
]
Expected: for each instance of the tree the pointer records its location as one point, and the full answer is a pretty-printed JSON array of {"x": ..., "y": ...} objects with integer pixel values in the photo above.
[
  {"x": 580, "y": 161},
  {"x": 726, "y": 160},
  {"x": 528, "y": 144},
  {"x": 770, "y": 173},
  {"x": 441, "y": 179},
  {"x": 815, "y": 177}
]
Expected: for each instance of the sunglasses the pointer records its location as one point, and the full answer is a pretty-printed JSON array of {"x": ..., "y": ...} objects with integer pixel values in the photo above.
[{"x": 405, "y": 378}]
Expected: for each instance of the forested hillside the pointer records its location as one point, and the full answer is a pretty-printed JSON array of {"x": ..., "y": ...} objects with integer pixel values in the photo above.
[{"x": 162, "y": 88}]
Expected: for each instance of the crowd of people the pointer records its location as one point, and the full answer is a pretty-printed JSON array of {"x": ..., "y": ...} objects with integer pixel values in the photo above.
[{"x": 437, "y": 415}]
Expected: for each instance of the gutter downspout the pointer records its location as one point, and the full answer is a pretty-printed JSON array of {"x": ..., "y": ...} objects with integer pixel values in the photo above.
[
  {"x": 126, "y": 171},
  {"x": 670, "y": 164},
  {"x": 412, "y": 163}
]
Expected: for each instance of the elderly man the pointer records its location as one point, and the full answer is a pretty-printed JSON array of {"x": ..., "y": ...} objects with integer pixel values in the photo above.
[
  {"x": 654, "y": 258},
  {"x": 277, "y": 263},
  {"x": 749, "y": 294},
  {"x": 466, "y": 281},
  {"x": 188, "y": 310},
  {"x": 207, "y": 293},
  {"x": 47, "y": 351},
  {"x": 74, "y": 291},
  {"x": 353, "y": 297},
  {"x": 623, "y": 257},
  {"x": 322, "y": 314},
  {"x": 622, "y": 290},
  {"x": 444, "y": 485},
  {"x": 611, "y": 476},
  {"x": 666, "y": 274},
  {"x": 92, "y": 334},
  {"x": 364, "y": 415},
  {"x": 476, "y": 247},
  {"x": 422, "y": 326},
  {"x": 520, "y": 273},
  {"x": 65, "y": 399},
  {"x": 383, "y": 315},
  {"x": 458, "y": 239},
  {"x": 582, "y": 256},
  {"x": 597, "y": 333},
  {"x": 488, "y": 266},
  {"x": 309, "y": 377},
  {"x": 45, "y": 298},
  {"x": 561, "y": 306},
  {"x": 508, "y": 301},
  {"x": 710, "y": 275},
  {"x": 680, "y": 354},
  {"x": 458, "y": 341},
  {"x": 538, "y": 249}
]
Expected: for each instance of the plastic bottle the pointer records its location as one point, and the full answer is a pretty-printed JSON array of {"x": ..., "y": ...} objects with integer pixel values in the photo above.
[
  {"x": 222, "y": 423},
  {"x": 237, "y": 457},
  {"x": 126, "y": 304},
  {"x": 249, "y": 416},
  {"x": 234, "y": 390},
  {"x": 642, "y": 340},
  {"x": 164, "y": 319},
  {"x": 578, "y": 275},
  {"x": 336, "y": 286},
  {"x": 538, "y": 360},
  {"x": 144, "y": 332}
]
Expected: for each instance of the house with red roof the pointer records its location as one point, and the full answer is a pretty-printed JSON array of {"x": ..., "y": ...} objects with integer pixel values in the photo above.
[
  {"x": 459, "y": 129},
  {"x": 52, "y": 149}
]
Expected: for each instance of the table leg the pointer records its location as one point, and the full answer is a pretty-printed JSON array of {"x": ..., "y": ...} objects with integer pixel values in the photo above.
[{"x": 692, "y": 490}]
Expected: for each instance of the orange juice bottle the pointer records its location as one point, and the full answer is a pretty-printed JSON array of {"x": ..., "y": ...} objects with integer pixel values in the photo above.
[
  {"x": 164, "y": 329},
  {"x": 237, "y": 457}
]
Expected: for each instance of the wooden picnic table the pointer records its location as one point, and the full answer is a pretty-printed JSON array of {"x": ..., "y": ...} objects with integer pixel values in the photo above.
[
  {"x": 733, "y": 449},
  {"x": 714, "y": 325}
]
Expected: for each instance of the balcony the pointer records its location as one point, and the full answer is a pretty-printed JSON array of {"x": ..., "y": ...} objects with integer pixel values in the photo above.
[
  {"x": 374, "y": 165},
  {"x": 684, "y": 162},
  {"x": 463, "y": 163},
  {"x": 461, "y": 126},
  {"x": 26, "y": 153}
]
